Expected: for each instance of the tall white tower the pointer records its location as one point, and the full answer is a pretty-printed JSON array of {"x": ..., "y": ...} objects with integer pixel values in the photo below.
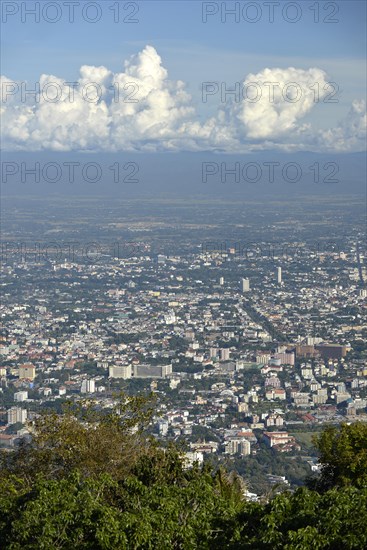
[
  {"x": 245, "y": 284},
  {"x": 279, "y": 275}
]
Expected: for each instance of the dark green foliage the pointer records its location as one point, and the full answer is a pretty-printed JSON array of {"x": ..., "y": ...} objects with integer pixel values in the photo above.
[
  {"x": 307, "y": 520},
  {"x": 93, "y": 480},
  {"x": 160, "y": 505},
  {"x": 343, "y": 455}
]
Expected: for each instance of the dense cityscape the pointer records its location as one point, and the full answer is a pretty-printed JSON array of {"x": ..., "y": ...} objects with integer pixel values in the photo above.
[
  {"x": 183, "y": 275},
  {"x": 249, "y": 347}
]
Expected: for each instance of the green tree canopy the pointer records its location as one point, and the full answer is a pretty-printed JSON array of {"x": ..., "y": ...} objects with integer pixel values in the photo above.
[
  {"x": 92, "y": 479},
  {"x": 343, "y": 456}
]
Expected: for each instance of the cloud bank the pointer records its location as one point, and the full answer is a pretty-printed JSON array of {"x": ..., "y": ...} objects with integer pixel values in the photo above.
[{"x": 141, "y": 109}]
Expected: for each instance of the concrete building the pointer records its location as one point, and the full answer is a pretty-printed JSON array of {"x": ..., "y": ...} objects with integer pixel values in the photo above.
[
  {"x": 332, "y": 351},
  {"x": 16, "y": 414},
  {"x": 243, "y": 407},
  {"x": 224, "y": 354},
  {"x": 274, "y": 420},
  {"x": 191, "y": 457},
  {"x": 170, "y": 318},
  {"x": 275, "y": 393},
  {"x": 163, "y": 427},
  {"x": 262, "y": 358},
  {"x": 279, "y": 275},
  {"x": 245, "y": 285},
  {"x": 27, "y": 371},
  {"x": 20, "y": 396},
  {"x": 237, "y": 445},
  {"x": 277, "y": 438},
  {"x": 120, "y": 371},
  {"x": 152, "y": 371},
  {"x": 285, "y": 358},
  {"x": 88, "y": 386}
]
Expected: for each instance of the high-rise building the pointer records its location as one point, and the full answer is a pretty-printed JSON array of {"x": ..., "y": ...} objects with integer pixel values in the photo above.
[
  {"x": 20, "y": 396},
  {"x": 237, "y": 445},
  {"x": 285, "y": 358},
  {"x": 262, "y": 358},
  {"x": 221, "y": 281},
  {"x": 224, "y": 354},
  {"x": 245, "y": 285},
  {"x": 279, "y": 275},
  {"x": 88, "y": 386},
  {"x": 16, "y": 414},
  {"x": 245, "y": 447}
]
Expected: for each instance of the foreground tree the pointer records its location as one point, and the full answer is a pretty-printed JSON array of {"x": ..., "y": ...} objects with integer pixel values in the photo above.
[
  {"x": 343, "y": 456},
  {"x": 159, "y": 505},
  {"x": 93, "y": 480},
  {"x": 306, "y": 520},
  {"x": 85, "y": 438},
  {"x": 189, "y": 514}
]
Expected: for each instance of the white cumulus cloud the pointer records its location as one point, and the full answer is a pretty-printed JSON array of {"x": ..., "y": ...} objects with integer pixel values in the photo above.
[
  {"x": 276, "y": 99},
  {"x": 140, "y": 108}
]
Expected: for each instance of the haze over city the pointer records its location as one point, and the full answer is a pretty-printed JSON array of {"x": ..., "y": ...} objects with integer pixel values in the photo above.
[{"x": 183, "y": 335}]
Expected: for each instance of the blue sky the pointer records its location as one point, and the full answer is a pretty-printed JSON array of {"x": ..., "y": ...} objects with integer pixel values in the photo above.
[
  {"x": 193, "y": 51},
  {"x": 31, "y": 48}
]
